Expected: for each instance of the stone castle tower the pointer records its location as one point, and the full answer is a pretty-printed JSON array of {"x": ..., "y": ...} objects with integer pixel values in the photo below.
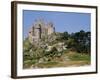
[{"x": 40, "y": 29}]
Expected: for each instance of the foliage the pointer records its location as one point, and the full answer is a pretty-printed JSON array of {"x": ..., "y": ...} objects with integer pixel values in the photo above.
[
  {"x": 83, "y": 41},
  {"x": 78, "y": 42},
  {"x": 65, "y": 35},
  {"x": 79, "y": 57}
]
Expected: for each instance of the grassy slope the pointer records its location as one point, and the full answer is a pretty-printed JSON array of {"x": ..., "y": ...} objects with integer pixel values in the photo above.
[{"x": 68, "y": 59}]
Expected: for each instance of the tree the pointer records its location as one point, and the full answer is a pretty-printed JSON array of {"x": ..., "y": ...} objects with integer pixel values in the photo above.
[
  {"x": 80, "y": 41},
  {"x": 71, "y": 43},
  {"x": 65, "y": 35}
]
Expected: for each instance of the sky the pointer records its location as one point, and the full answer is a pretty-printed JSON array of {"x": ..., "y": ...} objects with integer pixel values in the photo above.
[{"x": 63, "y": 21}]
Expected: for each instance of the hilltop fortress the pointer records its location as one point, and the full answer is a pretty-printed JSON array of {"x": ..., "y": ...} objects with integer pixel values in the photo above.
[{"x": 39, "y": 30}]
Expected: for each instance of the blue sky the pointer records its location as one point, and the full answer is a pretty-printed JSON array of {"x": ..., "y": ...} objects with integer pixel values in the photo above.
[{"x": 63, "y": 21}]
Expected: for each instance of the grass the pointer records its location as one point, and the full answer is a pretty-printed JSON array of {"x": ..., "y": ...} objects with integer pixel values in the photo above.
[
  {"x": 69, "y": 58},
  {"x": 79, "y": 57},
  {"x": 47, "y": 64}
]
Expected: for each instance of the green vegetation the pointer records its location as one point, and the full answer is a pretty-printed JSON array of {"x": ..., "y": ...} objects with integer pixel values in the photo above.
[
  {"x": 58, "y": 50},
  {"x": 79, "y": 57}
]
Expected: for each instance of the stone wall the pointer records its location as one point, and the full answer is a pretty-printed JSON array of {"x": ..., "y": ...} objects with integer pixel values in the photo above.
[{"x": 40, "y": 29}]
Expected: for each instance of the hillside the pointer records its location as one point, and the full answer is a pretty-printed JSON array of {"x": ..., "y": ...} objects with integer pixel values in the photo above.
[{"x": 58, "y": 50}]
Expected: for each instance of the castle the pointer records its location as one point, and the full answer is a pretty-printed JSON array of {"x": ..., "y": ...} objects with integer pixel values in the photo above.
[{"x": 39, "y": 30}]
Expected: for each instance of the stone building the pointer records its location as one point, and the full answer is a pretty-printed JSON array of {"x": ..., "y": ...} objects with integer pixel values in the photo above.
[{"x": 40, "y": 29}]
